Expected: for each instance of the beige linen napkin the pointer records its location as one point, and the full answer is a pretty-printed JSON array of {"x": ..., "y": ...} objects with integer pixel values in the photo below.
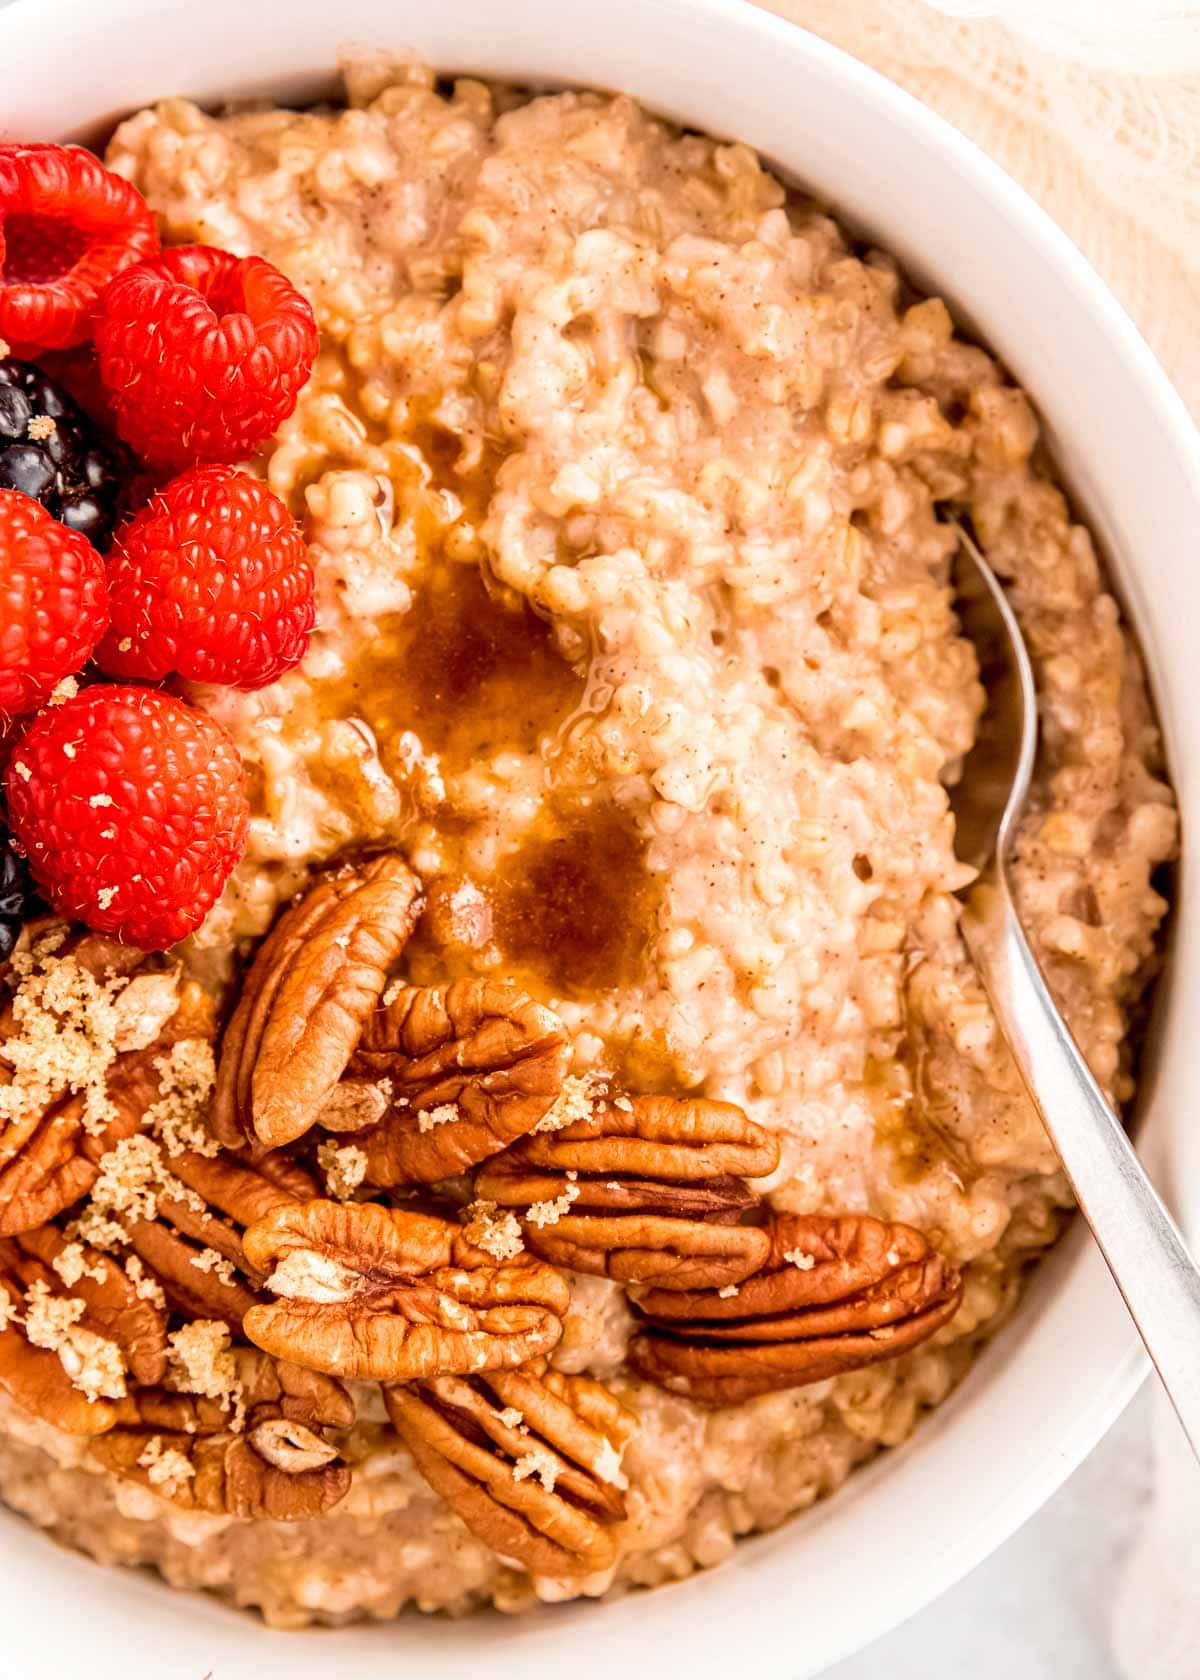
[{"x": 1094, "y": 106}]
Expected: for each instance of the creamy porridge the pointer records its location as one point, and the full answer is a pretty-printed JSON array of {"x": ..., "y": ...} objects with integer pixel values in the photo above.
[{"x": 627, "y": 481}]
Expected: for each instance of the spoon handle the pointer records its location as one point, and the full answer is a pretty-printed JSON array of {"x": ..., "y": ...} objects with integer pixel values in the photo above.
[{"x": 1137, "y": 1236}]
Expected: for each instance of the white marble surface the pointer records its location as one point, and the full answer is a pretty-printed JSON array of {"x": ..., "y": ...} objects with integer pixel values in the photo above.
[{"x": 1039, "y": 1608}]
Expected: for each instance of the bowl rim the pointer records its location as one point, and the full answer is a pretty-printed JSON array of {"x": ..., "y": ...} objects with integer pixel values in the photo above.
[{"x": 23, "y": 29}]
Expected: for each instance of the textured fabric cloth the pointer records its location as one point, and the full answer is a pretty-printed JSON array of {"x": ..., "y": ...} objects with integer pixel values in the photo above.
[{"x": 1094, "y": 106}]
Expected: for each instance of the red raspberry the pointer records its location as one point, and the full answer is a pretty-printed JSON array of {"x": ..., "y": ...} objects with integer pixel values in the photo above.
[
  {"x": 130, "y": 808},
  {"x": 53, "y": 602},
  {"x": 67, "y": 226},
  {"x": 212, "y": 581},
  {"x": 204, "y": 353}
]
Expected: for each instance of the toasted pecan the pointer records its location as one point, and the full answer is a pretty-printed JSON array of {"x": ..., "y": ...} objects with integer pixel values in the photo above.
[
  {"x": 530, "y": 1460},
  {"x": 374, "y": 1292},
  {"x": 53, "y": 1381},
  {"x": 316, "y": 978},
  {"x": 467, "y": 1070},
  {"x": 49, "y": 1149},
  {"x": 644, "y": 1190},
  {"x": 194, "y": 1244},
  {"x": 221, "y": 1474},
  {"x": 46, "y": 1164},
  {"x": 837, "y": 1293},
  {"x": 115, "y": 1309},
  {"x": 269, "y": 1457}
]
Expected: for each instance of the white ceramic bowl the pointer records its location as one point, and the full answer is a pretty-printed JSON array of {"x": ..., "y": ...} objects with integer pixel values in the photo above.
[{"x": 791, "y": 1602}]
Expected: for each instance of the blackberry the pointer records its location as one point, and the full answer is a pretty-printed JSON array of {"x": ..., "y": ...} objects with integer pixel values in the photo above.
[
  {"x": 70, "y": 470},
  {"x": 18, "y": 901}
]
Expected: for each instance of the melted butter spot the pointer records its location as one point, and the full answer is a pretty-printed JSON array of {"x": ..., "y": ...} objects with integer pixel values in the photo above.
[
  {"x": 469, "y": 675},
  {"x": 576, "y": 906}
]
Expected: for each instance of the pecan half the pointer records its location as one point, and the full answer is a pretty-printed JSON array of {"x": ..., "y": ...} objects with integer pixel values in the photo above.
[
  {"x": 45, "y": 1164},
  {"x": 530, "y": 1460},
  {"x": 467, "y": 1069},
  {"x": 194, "y": 1244},
  {"x": 49, "y": 1154},
  {"x": 270, "y": 1458},
  {"x": 381, "y": 1293},
  {"x": 66, "y": 1348},
  {"x": 837, "y": 1293},
  {"x": 317, "y": 976},
  {"x": 644, "y": 1190}
]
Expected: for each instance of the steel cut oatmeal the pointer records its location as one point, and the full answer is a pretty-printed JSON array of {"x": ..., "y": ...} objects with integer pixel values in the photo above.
[{"x": 627, "y": 481}]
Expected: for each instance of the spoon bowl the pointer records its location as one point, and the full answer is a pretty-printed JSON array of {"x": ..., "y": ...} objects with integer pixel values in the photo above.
[
  {"x": 1157, "y": 1276},
  {"x": 993, "y": 786}
]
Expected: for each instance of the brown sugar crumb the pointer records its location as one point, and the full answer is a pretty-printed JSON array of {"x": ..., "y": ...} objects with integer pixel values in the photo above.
[
  {"x": 187, "y": 1075},
  {"x": 130, "y": 1179},
  {"x": 497, "y": 1232},
  {"x": 344, "y": 1167},
  {"x": 428, "y": 1118},
  {"x": 511, "y": 1417},
  {"x": 542, "y": 1214},
  {"x": 145, "y": 1285},
  {"x": 66, "y": 1033},
  {"x": 537, "y": 1462},
  {"x": 166, "y": 1467},
  {"x": 209, "y": 1261},
  {"x": 202, "y": 1362},
  {"x": 93, "y": 1363},
  {"x": 41, "y": 427},
  {"x": 802, "y": 1262},
  {"x": 9, "y": 1313},
  {"x": 48, "y": 1317},
  {"x": 97, "y": 1229},
  {"x": 574, "y": 1102},
  {"x": 72, "y": 1264}
]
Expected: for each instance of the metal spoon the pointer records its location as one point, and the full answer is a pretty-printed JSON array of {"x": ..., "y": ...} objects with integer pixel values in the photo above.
[{"x": 1140, "y": 1241}]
